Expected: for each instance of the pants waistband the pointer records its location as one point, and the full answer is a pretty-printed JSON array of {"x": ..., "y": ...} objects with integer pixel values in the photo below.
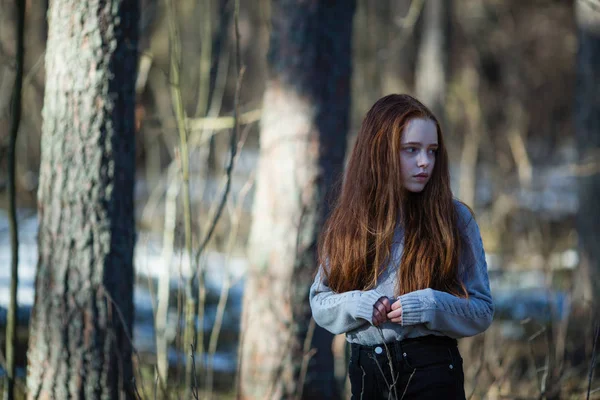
[
  {"x": 415, "y": 352},
  {"x": 429, "y": 340}
]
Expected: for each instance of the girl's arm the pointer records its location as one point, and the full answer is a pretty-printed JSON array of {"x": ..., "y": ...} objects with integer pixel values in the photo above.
[
  {"x": 341, "y": 312},
  {"x": 453, "y": 316}
]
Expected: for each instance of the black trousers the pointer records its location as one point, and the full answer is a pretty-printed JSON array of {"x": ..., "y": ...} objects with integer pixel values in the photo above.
[{"x": 428, "y": 367}]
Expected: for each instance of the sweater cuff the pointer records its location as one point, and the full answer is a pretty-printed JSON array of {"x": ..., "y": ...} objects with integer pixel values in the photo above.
[
  {"x": 412, "y": 310},
  {"x": 364, "y": 308}
]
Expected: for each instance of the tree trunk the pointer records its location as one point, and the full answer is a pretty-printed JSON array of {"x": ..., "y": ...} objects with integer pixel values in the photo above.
[
  {"x": 587, "y": 127},
  {"x": 433, "y": 56},
  {"x": 302, "y": 143},
  {"x": 83, "y": 312}
]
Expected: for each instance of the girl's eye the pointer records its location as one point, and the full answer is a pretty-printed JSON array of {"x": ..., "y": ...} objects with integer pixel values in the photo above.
[
  {"x": 410, "y": 149},
  {"x": 433, "y": 151}
]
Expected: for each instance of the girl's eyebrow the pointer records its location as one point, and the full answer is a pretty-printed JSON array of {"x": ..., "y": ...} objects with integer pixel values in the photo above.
[{"x": 418, "y": 144}]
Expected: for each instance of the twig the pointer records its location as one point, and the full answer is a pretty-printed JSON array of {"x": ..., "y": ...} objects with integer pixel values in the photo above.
[
  {"x": 374, "y": 358},
  {"x": 178, "y": 331},
  {"x": 180, "y": 117},
  {"x": 222, "y": 123},
  {"x": 531, "y": 352},
  {"x": 205, "y": 59},
  {"x": 235, "y": 217},
  {"x": 308, "y": 354},
  {"x": 213, "y": 222},
  {"x": 389, "y": 357},
  {"x": 194, "y": 388},
  {"x": 233, "y": 148},
  {"x": 236, "y": 128},
  {"x": 164, "y": 283},
  {"x": 116, "y": 307},
  {"x": 408, "y": 383},
  {"x": 34, "y": 69},
  {"x": 156, "y": 383},
  {"x": 593, "y": 361},
  {"x": 278, "y": 375},
  {"x": 479, "y": 368},
  {"x": 229, "y": 171},
  {"x": 240, "y": 354}
]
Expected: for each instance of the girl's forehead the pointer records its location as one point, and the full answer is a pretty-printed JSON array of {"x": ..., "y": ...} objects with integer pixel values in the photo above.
[{"x": 420, "y": 130}]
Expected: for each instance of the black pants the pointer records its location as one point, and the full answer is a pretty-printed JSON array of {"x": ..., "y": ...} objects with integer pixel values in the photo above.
[{"x": 428, "y": 367}]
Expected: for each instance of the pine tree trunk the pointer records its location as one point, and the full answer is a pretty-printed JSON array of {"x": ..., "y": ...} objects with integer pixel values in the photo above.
[
  {"x": 83, "y": 312},
  {"x": 302, "y": 143},
  {"x": 587, "y": 127}
]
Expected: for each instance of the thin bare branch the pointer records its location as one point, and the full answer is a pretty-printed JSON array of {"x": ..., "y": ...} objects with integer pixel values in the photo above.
[
  {"x": 233, "y": 142},
  {"x": 104, "y": 292},
  {"x": 308, "y": 354},
  {"x": 408, "y": 383},
  {"x": 222, "y": 123},
  {"x": 234, "y": 217}
]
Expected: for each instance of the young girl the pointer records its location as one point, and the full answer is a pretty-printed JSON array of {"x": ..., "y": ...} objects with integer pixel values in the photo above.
[{"x": 403, "y": 271}]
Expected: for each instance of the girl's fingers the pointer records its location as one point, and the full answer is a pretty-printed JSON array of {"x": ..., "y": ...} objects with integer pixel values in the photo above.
[
  {"x": 380, "y": 310},
  {"x": 386, "y": 303},
  {"x": 394, "y": 314},
  {"x": 375, "y": 316}
]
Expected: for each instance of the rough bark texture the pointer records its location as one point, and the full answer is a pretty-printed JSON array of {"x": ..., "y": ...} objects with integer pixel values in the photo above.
[
  {"x": 302, "y": 143},
  {"x": 587, "y": 126},
  {"x": 83, "y": 311}
]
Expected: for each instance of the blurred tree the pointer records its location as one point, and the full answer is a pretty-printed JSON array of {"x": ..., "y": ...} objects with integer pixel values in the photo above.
[
  {"x": 432, "y": 59},
  {"x": 82, "y": 318},
  {"x": 587, "y": 127},
  {"x": 302, "y": 145}
]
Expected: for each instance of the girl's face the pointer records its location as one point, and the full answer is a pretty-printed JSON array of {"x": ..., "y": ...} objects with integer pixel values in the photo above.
[{"x": 418, "y": 149}]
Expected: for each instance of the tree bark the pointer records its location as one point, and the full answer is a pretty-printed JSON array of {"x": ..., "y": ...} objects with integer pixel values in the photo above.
[
  {"x": 83, "y": 311},
  {"x": 302, "y": 143},
  {"x": 587, "y": 128}
]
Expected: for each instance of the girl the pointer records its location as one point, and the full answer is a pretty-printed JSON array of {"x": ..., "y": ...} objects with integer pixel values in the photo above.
[{"x": 403, "y": 272}]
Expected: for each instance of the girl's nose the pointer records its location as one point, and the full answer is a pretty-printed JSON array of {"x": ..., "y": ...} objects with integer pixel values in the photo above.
[{"x": 422, "y": 160}]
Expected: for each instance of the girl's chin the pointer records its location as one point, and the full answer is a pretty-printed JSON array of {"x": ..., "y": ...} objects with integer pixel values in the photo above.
[{"x": 415, "y": 188}]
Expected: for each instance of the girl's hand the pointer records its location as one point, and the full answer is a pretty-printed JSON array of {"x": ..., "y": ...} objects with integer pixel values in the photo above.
[
  {"x": 380, "y": 310},
  {"x": 396, "y": 314}
]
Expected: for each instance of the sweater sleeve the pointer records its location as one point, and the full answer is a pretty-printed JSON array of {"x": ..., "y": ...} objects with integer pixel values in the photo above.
[
  {"x": 341, "y": 312},
  {"x": 451, "y": 315}
]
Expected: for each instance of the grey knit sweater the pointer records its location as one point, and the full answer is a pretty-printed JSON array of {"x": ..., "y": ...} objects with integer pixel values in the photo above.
[{"x": 424, "y": 312}]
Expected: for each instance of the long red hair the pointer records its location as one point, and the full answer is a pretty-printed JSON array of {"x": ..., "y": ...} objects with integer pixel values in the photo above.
[{"x": 355, "y": 244}]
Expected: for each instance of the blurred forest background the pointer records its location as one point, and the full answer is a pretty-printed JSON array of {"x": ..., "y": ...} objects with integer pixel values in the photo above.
[{"x": 517, "y": 87}]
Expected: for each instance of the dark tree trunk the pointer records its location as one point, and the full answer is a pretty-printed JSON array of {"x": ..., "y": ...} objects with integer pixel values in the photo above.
[
  {"x": 302, "y": 144},
  {"x": 83, "y": 312},
  {"x": 587, "y": 127},
  {"x": 11, "y": 320}
]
